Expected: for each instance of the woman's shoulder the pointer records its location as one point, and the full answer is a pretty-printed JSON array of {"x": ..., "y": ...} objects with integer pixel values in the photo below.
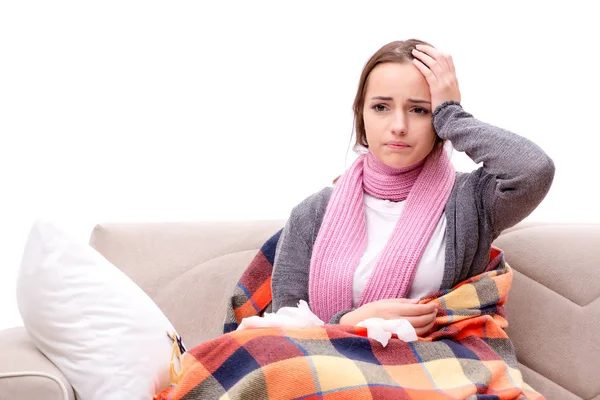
[
  {"x": 310, "y": 211},
  {"x": 306, "y": 217},
  {"x": 314, "y": 203}
]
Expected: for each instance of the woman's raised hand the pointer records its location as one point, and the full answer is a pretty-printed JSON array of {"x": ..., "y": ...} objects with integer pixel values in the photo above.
[
  {"x": 438, "y": 69},
  {"x": 420, "y": 316}
]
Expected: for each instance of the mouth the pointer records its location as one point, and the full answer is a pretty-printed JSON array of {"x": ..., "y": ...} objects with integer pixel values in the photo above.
[{"x": 397, "y": 145}]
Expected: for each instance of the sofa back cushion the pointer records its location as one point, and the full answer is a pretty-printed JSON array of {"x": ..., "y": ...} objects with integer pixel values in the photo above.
[{"x": 188, "y": 269}]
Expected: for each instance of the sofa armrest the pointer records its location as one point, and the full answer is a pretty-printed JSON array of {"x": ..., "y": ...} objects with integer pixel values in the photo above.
[{"x": 25, "y": 373}]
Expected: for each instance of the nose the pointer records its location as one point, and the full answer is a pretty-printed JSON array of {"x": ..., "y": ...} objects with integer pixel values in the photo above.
[{"x": 399, "y": 126}]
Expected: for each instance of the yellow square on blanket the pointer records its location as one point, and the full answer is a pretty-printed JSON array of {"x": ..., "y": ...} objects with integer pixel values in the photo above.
[
  {"x": 447, "y": 373},
  {"x": 462, "y": 297},
  {"x": 336, "y": 372}
]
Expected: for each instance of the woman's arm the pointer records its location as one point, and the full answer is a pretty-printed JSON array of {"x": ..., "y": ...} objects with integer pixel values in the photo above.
[
  {"x": 517, "y": 174},
  {"x": 520, "y": 172},
  {"x": 289, "y": 280},
  {"x": 291, "y": 268}
]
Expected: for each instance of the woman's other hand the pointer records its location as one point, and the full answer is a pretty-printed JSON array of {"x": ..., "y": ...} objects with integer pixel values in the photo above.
[
  {"x": 421, "y": 316},
  {"x": 438, "y": 69}
]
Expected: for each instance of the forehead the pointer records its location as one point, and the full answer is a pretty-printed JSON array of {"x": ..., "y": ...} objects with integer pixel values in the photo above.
[{"x": 397, "y": 80}]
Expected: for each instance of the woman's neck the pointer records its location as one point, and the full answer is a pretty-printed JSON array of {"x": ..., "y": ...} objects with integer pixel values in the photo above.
[{"x": 388, "y": 183}]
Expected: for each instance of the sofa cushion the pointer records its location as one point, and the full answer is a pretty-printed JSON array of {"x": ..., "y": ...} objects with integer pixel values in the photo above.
[{"x": 25, "y": 373}]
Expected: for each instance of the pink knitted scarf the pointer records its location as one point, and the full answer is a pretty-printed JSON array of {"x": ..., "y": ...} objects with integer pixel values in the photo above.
[{"x": 341, "y": 240}]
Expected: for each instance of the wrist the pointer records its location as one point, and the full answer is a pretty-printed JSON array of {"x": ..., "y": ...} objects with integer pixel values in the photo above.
[
  {"x": 443, "y": 105},
  {"x": 441, "y": 114}
]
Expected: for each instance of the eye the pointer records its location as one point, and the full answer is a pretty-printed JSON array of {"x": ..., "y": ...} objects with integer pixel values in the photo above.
[
  {"x": 379, "y": 107},
  {"x": 421, "y": 110}
]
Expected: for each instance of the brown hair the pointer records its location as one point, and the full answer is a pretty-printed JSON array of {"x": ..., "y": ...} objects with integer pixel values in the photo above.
[{"x": 398, "y": 52}]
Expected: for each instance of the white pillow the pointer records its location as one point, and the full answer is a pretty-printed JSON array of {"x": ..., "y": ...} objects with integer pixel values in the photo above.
[{"x": 91, "y": 320}]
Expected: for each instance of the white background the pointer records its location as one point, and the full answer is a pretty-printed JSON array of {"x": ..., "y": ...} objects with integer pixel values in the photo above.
[{"x": 172, "y": 111}]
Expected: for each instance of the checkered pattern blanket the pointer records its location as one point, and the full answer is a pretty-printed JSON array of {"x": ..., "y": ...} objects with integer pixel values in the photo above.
[{"x": 467, "y": 356}]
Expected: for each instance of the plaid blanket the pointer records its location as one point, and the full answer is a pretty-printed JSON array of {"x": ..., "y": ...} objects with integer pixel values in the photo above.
[{"x": 467, "y": 356}]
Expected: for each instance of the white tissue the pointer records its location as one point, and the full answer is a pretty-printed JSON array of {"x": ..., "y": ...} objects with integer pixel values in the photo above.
[
  {"x": 285, "y": 317},
  {"x": 301, "y": 317},
  {"x": 382, "y": 329}
]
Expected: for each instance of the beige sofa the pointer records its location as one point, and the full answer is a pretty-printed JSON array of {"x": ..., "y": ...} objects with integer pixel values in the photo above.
[{"x": 190, "y": 269}]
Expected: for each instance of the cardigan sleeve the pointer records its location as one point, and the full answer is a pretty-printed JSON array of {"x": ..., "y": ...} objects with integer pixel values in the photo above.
[
  {"x": 519, "y": 172},
  {"x": 289, "y": 280}
]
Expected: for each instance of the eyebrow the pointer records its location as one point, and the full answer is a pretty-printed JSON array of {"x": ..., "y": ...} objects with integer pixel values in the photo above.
[{"x": 386, "y": 98}]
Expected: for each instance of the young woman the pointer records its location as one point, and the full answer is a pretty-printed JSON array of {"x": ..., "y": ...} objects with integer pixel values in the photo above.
[{"x": 400, "y": 223}]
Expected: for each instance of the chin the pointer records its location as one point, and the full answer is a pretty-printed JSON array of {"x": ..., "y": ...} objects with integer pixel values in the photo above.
[{"x": 396, "y": 162}]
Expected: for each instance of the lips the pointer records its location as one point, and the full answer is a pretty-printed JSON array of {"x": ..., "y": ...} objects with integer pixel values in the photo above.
[{"x": 397, "y": 145}]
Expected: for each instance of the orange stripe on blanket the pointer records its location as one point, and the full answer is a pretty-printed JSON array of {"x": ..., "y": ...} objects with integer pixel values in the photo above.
[
  {"x": 247, "y": 335},
  {"x": 260, "y": 299},
  {"x": 263, "y": 297},
  {"x": 194, "y": 374},
  {"x": 314, "y": 333},
  {"x": 299, "y": 380},
  {"x": 413, "y": 394},
  {"x": 483, "y": 326}
]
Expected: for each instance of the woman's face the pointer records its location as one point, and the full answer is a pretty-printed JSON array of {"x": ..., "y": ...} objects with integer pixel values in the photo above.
[{"x": 397, "y": 114}]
